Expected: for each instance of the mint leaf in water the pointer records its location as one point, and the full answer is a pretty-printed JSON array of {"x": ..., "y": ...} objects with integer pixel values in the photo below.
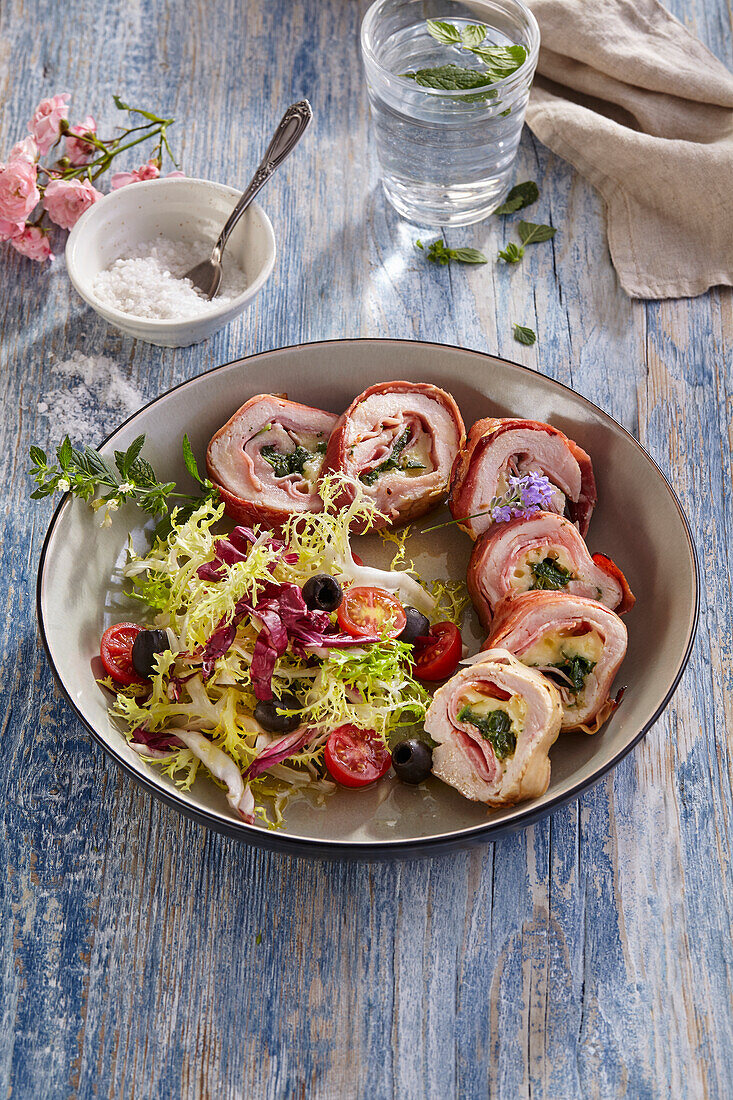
[
  {"x": 450, "y": 78},
  {"x": 444, "y": 32},
  {"x": 531, "y": 233},
  {"x": 512, "y": 254},
  {"x": 524, "y": 335},
  {"x": 438, "y": 253},
  {"x": 524, "y": 194},
  {"x": 473, "y": 35},
  {"x": 500, "y": 61}
]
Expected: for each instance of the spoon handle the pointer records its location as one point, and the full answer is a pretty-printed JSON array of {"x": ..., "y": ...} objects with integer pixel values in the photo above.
[{"x": 289, "y": 131}]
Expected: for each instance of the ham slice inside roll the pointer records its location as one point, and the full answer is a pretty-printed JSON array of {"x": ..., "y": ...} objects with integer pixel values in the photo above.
[
  {"x": 577, "y": 643},
  {"x": 541, "y": 552},
  {"x": 500, "y": 448},
  {"x": 494, "y": 723},
  {"x": 266, "y": 460},
  {"x": 399, "y": 439}
]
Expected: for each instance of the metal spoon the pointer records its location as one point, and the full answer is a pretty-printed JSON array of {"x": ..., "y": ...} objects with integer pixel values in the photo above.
[{"x": 206, "y": 276}]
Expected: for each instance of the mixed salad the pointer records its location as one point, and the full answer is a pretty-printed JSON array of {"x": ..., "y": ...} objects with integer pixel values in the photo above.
[{"x": 279, "y": 663}]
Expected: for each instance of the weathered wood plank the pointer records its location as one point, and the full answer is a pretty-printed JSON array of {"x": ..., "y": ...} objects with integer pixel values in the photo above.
[{"x": 587, "y": 956}]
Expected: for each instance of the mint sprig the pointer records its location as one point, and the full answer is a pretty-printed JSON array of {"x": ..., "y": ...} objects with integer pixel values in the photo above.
[
  {"x": 529, "y": 233},
  {"x": 512, "y": 254},
  {"x": 499, "y": 61},
  {"x": 85, "y": 473},
  {"x": 439, "y": 253}
]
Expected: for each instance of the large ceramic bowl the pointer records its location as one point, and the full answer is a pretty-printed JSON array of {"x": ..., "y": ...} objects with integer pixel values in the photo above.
[
  {"x": 177, "y": 209},
  {"x": 638, "y": 522}
]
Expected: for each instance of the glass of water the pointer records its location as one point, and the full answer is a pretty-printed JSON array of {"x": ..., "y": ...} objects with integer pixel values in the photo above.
[{"x": 447, "y": 156}]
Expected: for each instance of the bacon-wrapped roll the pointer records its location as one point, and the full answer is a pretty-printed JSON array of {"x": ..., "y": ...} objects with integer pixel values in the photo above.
[
  {"x": 542, "y": 551},
  {"x": 498, "y": 449},
  {"x": 400, "y": 440},
  {"x": 267, "y": 459},
  {"x": 576, "y": 642},
  {"x": 494, "y": 723}
]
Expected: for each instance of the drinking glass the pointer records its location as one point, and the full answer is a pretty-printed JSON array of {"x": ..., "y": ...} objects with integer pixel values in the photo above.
[{"x": 446, "y": 157}]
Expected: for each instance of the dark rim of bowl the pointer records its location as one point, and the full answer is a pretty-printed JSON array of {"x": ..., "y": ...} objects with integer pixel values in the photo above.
[{"x": 317, "y": 847}]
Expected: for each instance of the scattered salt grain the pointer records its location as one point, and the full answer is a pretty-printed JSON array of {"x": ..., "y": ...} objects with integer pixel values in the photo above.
[
  {"x": 148, "y": 281},
  {"x": 88, "y": 396}
]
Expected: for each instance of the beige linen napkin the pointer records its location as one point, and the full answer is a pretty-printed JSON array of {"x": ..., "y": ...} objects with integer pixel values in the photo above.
[{"x": 645, "y": 112}]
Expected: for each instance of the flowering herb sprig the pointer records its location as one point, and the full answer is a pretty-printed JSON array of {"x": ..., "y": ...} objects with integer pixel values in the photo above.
[
  {"x": 84, "y": 472},
  {"x": 525, "y": 495},
  {"x": 34, "y": 197}
]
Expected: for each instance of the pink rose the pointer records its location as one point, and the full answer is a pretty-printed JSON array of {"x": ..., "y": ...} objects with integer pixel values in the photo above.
[
  {"x": 18, "y": 190},
  {"x": 8, "y": 230},
  {"x": 66, "y": 200},
  {"x": 77, "y": 150},
  {"x": 149, "y": 171},
  {"x": 25, "y": 150},
  {"x": 33, "y": 243},
  {"x": 47, "y": 122}
]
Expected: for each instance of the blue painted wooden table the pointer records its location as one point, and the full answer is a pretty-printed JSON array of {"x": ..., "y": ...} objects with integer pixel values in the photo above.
[{"x": 588, "y": 956}]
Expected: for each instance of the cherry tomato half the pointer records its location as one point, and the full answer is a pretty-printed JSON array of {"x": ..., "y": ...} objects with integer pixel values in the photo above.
[
  {"x": 437, "y": 656},
  {"x": 116, "y": 653},
  {"x": 356, "y": 757},
  {"x": 366, "y": 611}
]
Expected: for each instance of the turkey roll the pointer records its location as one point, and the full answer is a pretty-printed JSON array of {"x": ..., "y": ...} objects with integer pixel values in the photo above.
[{"x": 494, "y": 723}]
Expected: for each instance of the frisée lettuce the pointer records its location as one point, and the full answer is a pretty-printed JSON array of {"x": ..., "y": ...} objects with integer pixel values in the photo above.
[{"x": 240, "y": 631}]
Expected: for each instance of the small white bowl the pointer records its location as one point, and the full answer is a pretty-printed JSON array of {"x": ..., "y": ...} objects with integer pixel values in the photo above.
[{"x": 179, "y": 209}]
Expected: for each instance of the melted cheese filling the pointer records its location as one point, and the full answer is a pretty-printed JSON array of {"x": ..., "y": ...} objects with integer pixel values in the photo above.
[
  {"x": 482, "y": 706},
  {"x": 554, "y": 648},
  {"x": 522, "y": 576},
  {"x": 420, "y": 451}
]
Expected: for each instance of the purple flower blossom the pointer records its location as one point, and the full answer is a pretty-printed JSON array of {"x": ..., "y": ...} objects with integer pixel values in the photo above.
[
  {"x": 536, "y": 490},
  {"x": 526, "y": 495}
]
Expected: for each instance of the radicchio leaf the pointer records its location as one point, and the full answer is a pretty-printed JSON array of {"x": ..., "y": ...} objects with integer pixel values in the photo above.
[
  {"x": 277, "y": 751},
  {"x": 160, "y": 741}
]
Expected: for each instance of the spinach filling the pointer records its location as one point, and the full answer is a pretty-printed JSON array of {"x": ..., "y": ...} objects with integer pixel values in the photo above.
[
  {"x": 293, "y": 462},
  {"x": 496, "y": 728},
  {"x": 393, "y": 462},
  {"x": 549, "y": 575},
  {"x": 576, "y": 669}
]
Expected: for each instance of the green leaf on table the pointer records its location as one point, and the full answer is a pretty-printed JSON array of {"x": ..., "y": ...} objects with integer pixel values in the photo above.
[
  {"x": 524, "y": 194},
  {"x": 473, "y": 35},
  {"x": 451, "y": 78},
  {"x": 532, "y": 233},
  {"x": 512, "y": 254},
  {"x": 500, "y": 61},
  {"x": 443, "y": 32},
  {"x": 467, "y": 256},
  {"x": 524, "y": 335},
  {"x": 439, "y": 253}
]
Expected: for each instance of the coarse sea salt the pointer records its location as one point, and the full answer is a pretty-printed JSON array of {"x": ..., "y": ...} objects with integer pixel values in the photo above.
[{"x": 148, "y": 282}]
